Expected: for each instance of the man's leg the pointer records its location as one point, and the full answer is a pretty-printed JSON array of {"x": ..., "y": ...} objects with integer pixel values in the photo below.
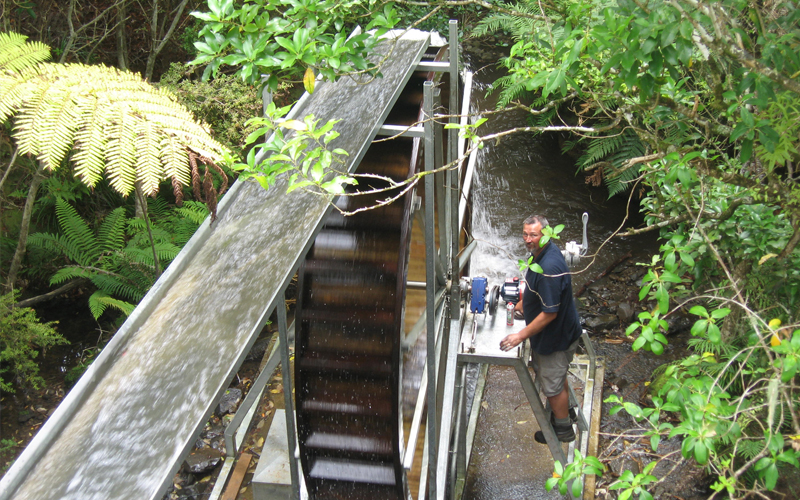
[
  {"x": 553, "y": 372},
  {"x": 560, "y": 404}
]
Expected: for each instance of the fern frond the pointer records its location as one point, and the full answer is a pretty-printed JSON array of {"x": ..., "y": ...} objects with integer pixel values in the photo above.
[
  {"x": 84, "y": 248},
  {"x": 115, "y": 284},
  {"x": 16, "y": 53},
  {"x": 121, "y": 152},
  {"x": 174, "y": 158},
  {"x": 68, "y": 274},
  {"x": 158, "y": 208},
  {"x": 517, "y": 26},
  {"x": 148, "y": 166},
  {"x": 54, "y": 242},
  {"x": 56, "y": 128},
  {"x": 194, "y": 211},
  {"x": 111, "y": 233},
  {"x": 103, "y": 111},
  {"x": 749, "y": 448},
  {"x": 100, "y": 301},
  {"x": 90, "y": 141}
]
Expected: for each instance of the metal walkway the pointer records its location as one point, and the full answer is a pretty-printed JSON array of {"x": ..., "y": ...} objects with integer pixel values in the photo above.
[{"x": 124, "y": 429}]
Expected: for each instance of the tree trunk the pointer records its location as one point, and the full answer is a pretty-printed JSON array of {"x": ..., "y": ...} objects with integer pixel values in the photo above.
[
  {"x": 24, "y": 229},
  {"x": 734, "y": 319},
  {"x": 122, "y": 39},
  {"x": 158, "y": 41}
]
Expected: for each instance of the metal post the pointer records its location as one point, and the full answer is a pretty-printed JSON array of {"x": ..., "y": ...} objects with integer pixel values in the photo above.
[
  {"x": 288, "y": 385},
  {"x": 539, "y": 412},
  {"x": 452, "y": 140},
  {"x": 430, "y": 276}
]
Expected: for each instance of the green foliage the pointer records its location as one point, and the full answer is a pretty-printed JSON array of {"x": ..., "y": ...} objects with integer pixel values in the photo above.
[
  {"x": 286, "y": 38},
  {"x": 17, "y": 54},
  {"x": 22, "y": 336},
  {"x": 110, "y": 122},
  {"x": 423, "y": 17},
  {"x": 631, "y": 484},
  {"x": 118, "y": 257},
  {"x": 570, "y": 478},
  {"x": 298, "y": 149},
  {"x": 7, "y": 447},
  {"x": 86, "y": 359},
  {"x": 224, "y": 102},
  {"x": 612, "y": 153}
]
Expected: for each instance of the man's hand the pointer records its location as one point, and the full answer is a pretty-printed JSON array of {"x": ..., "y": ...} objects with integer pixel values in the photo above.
[{"x": 511, "y": 341}]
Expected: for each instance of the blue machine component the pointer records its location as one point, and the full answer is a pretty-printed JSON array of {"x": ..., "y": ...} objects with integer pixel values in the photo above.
[{"x": 478, "y": 302}]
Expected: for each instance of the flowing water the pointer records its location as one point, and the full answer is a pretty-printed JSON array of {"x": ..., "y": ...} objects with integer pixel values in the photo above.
[
  {"x": 162, "y": 373},
  {"x": 524, "y": 175}
]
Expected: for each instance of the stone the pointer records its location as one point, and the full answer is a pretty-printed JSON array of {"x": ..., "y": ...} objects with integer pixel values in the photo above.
[
  {"x": 625, "y": 312},
  {"x": 604, "y": 322},
  {"x": 24, "y": 416},
  {"x": 230, "y": 400},
  {"x": 202, "y": 461},
  {"x": 258, "y": 350},
  {"x": 679, "y": 323},
  {"x": 623, "y": 463}
]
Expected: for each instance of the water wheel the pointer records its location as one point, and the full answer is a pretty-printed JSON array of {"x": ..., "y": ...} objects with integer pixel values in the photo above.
[{"x": 349, "y": 328}]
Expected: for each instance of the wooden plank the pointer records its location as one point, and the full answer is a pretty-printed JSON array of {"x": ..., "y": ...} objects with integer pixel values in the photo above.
[{"x": 232, "y": 490}]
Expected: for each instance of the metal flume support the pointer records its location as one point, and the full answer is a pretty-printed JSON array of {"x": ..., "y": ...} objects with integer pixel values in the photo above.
[{"x": 124, "y": 429}]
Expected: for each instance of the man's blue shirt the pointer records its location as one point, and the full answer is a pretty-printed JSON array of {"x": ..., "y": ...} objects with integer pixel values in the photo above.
[{"x": 551, "y": 292}]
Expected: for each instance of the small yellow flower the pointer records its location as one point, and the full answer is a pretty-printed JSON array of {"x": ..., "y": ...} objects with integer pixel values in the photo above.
[{"x": 774, "y": 323}]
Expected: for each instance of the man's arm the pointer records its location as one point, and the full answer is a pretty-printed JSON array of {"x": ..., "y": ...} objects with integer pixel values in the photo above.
[{"x": 537, "y": 325}]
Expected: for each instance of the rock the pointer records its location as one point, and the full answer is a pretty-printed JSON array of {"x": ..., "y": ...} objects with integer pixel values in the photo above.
[
  {"x": 604, "y": 322},
  {"x": 202, "y": 461},
  {"x": 24, "y": 416},
  {"x": 230, "y": 400},
  {"x": 625, "y": 312},
  {"x": 213, "y": 431},
  {"x": 623, "y": 463},
  {"x": 258, "y": 350},
  {"x": 679, "y": 323}
]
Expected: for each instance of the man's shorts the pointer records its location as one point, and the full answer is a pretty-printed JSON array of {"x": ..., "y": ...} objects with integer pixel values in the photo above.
[{"x": 551, "y": 369}]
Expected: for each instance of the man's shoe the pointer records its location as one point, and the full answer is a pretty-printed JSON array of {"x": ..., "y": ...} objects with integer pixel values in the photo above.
[{"x": 565, "y": 434}]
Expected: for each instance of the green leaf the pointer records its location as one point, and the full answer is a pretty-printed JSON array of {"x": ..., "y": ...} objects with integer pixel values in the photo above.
[
  {"x": 714, "y": 335},
  {"x": 771, "y": 477},
  {"x": 638, "y": 343},
  {"x": 662, "y": 296},
  {"x": 654, "y": 440},
  {"x": 720, "y": 313},
  {"x": 699, "y": 311},
  {"x": 577, "y": 488},
  {"x": 657, "y": 348},
  {"x": 701, "y": 452}
]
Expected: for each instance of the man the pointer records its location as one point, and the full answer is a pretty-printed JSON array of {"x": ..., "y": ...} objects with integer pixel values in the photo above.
[{"x": 552, "y": 324}]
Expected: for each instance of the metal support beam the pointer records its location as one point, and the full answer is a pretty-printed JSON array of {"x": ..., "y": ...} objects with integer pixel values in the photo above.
[
  {"x": 288, "y": 384},
  {"x": 400, "y": 130},
  {"x": 448, "y": 391},
  {"x": 430, "y": 276},
  {"x": 433, "y": 66}
]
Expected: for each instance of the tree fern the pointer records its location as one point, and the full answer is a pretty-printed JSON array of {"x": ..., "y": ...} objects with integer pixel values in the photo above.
[
  {"x": 16, "y": 53},
  {"x": 614, "y": 150},
  {"x": 111, "y": 233},
  {"x": 105, "y": 257},
  {"x": 83, "y": 247},
  {"x": 100, "y": 301},
  {"x": 111, "y": 122}
]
